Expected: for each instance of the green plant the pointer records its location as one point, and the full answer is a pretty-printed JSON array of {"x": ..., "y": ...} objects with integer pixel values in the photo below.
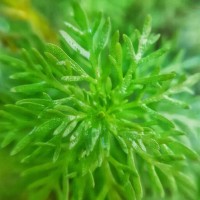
[{"x": 89, "y": 121}]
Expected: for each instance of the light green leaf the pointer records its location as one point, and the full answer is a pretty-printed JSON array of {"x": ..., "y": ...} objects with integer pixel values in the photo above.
[
  {"x": 151, "y": 57},
  {"x": 37, "y": 101},
  {"x": 80, "y": 16},
  {"x": 60, "y": 128},
  {"x": 91, "y": 178},
  {"x": 30, "y": 88},
  {"x": 74, "y": 45},
  {"x": 129, "y": 47},
  {"x": 40, "y": 182},
  {"x": 74, "y": 78},
  {"x": 23, "y": 113},
  {"x": 70, "y": 128},
  {"x": 152, "y": 79},
  {"x": 136, "y": 177},
  {"x": 45, "y": 128},
  {"x": 114, "y": 41},
  {"x": 66, "y": 109},
  {"x": 143, "y": 39},
  {"x": 9, "y": 137},
  {"x": 103, "y": 36},
  {"x": 20, "y": 75},
  {"x": 34, "y": 107},
  {"x": 39, "y": 168},
  {"x": 157, "y": 115},
  {"x": 74, "y": 29},
  {"x": 57, "y": 152},
  {"x": 156, "y": 180},
  {"x": 122, "y": 143},
  {"x": 183, "y": 149},
  {"x": 92, "y": 136},
  {"x": 42, "y": 62},
  {"x": 64, "y": 59},
  {"x": 97, "y": 23},
  {"x": 105, "y": 143},
  {"x": 23, "y": 143},
  {"x": 177, "y": 102}
]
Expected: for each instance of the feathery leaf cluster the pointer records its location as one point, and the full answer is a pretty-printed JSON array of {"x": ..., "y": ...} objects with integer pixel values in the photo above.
[{"x": 89, "y": 120}]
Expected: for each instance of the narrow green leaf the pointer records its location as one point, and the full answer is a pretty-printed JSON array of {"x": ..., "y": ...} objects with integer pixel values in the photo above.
[
  {"x": 12, "y": 60},
  {"x": 70, "y": 128},
  {"x": 152, "y": 144},
  {"x": 67, "y": 109},
  {"x": 7, "y": 116},
  {"x": 129, "y": 47},
  {"x": 108, "y": 85},
  {"x": 118, "y": 53},
  {"x": 23, "y": 143},
  {"x": 103, "y": 36},
  {"x": 80, "y": 16},
  {"x": 122, "y": 144},
  {"x": 30, "y": 63},
  {"x": 191, "y": 80},
  {"x": 23, "y": 113},
  {"x": 151, "y": 57},
  {"x": 97, "y": 23},
  {"x": 42, "y": 62},
  {"x": 92, "y": 136},
  {"x": 143, "y": 39},
  {"x": 34, "y": 107},
  {"x": 147, "y": 26},
  {"x": 39, "y": 168},
  {"x": 156, "y": 180},
  {"x": 51, "y": 58},
  {"x": 74, "y": 29},
  {"x": 136, "y": 177},
  {"x": 77, "y": 135},
  {"x": 185, "y": 85},
  {"x": 64, "y": 59},
  {"x": 48, "y": 127},
  {"x": 57, "y": 152},
  {"x": 56, "y": 51},
  {"x": 114, "y": 41},
  {"x": 119, "y": 175},
  {"x": 30, "y": 88},
  {"x": 131, "y": 124},
  {"x": 181, "y": 148},
  {"x": 21, "y": 75},
  {"x": 177, "y": 102},
  {"x": 118, "y": 74},
  {"x": 74, "y": 45},
  {"x": 60, "y": 128},
  {"x": 129, "y": 190},
  {"x": 157, "y": 78},
  {"x": 58, "y": 70},
  {"x": 128, "y": 77},
  {"x": 74, "y": 78},
  {"x": 37, "y": 101},
  {"x": 40, "y": 182},
  {"x": 186, "y": 180},
  {"x": 91, "y": 178},
  {"x": 157, "y": 115},
  {"x": 153, "y": 39},
  {"x": 44, "y": 144},
  {"x": 172, "y": 183},
  {"x": 9, "y": 137},
  {"x": 105, "y": 143},
  {"x": 81, "y": 104}
]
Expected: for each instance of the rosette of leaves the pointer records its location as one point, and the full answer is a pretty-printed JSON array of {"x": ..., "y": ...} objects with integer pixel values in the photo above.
[{"x": 87, "y": 123}]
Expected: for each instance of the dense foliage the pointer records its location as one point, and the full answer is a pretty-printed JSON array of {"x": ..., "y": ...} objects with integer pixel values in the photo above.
[{"x": 95, "y": 114}]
